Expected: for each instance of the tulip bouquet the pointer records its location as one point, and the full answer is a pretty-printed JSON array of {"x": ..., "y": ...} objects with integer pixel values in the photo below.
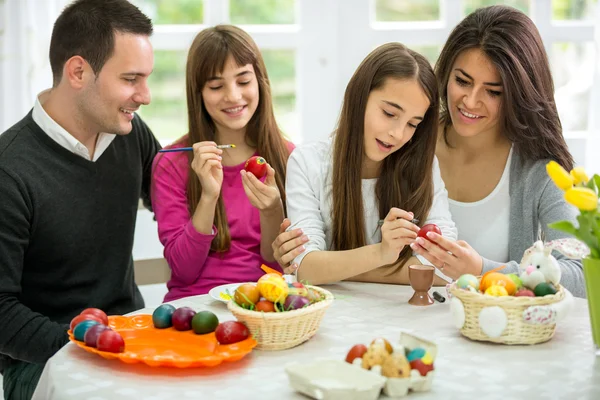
[{"x": 582, "y": 192}]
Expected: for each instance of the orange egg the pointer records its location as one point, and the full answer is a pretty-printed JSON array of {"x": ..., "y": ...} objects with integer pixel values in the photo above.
[
  {"x": 497, "y": 279},
  {"x": 265, "y": 306},
  {"x": 246, "y": 295}
]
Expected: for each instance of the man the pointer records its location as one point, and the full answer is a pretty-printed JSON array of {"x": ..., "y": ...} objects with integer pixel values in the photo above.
[{"x": 72, "y": 172}]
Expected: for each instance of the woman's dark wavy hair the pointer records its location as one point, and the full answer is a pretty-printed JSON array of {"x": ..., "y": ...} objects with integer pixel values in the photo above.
[{"x": 513, "y": 44}]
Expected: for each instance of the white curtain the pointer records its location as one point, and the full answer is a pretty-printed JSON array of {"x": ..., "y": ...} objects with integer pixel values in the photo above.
[{"x": 25, "y": 29}]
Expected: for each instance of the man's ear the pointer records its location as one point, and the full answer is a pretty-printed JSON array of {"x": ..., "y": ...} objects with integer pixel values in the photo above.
[{"x": 76, "y": 72}]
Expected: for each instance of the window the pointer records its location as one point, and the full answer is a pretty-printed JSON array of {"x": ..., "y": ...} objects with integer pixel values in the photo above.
[
  {"x": 173, "y": 11},
  {"x": 573, "y": 9},
  {"x": 471, "y": 5},
  {"x": 407, "y": 10},
  {"x": 262, "y": 12},
  {"x": 270, "y": 22}
]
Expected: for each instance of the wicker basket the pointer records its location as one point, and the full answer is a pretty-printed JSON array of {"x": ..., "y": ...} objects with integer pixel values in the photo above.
[
  {"x": 517, "y": 330},
  {"x": 283, "y": 330}
]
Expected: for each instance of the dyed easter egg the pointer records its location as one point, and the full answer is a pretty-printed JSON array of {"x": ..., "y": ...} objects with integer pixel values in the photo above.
[
  {"x": 524, "y": 292},
  {"x": 497, "y": 279},
  {"x": 273, "y": 287},
  {"x": 517, "y": 280},
  {"x": 357, "y": 351},
  {"x": 427, "y": 358},
  {"x": 496, "y": 290},
  {"x": 162, "y": 317},
  {"x": 204, "y": 322},
  {"x": 81, "y": 329},
  {"x": 415, "y": 354},
  {"x": 420, "y": 366},
  {"x": 91, "y": 335},
  {"x": 466, "y": 281},
  {"x": 182, "y": 318},
  {"x": 544, "y": 288},
  {"x": 111, "y": 342},
  {"x": 297, "y": 289}
]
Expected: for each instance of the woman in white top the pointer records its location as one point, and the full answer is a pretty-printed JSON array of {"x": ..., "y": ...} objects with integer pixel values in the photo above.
[
  {"x": 380, "y": 165},
  {"x": 499, "y": 128}
]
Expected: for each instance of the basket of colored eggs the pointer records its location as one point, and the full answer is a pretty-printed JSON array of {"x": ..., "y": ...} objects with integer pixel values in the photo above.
[
  {"x": 508, "y": 309},
  {"x": 280, "y": 315}
]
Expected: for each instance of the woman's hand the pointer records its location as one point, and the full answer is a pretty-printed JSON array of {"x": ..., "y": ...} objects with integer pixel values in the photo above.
[
  {"x": 397, "y": 231},
  {"x": 207, "y": 166},
  {"x": 264, "y": 196},
  {"x": 287, "y": 246},
  {"x": 452, "y": 258}
]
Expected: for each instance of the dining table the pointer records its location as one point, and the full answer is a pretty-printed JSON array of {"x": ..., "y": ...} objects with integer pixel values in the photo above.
[{"x": 565, "y": 367}]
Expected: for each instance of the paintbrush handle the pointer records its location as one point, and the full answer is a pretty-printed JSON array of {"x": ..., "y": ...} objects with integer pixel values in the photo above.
[
  {"x": 221, "y": 146},
  {"x": 176, "y": 150}
]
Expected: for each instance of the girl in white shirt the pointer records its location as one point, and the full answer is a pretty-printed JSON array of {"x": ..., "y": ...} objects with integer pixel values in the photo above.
[{"x": 379, "y": 165}]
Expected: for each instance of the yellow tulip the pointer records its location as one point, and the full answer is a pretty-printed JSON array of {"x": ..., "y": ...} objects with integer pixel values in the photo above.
[
  {"x": 579, "y": 175},
  {"x": 582, "y": 198},
  {"x": 559, "y": 175}
]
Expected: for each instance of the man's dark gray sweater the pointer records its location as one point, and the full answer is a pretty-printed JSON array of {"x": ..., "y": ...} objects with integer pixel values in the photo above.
[{"x": 66, "y": 234}]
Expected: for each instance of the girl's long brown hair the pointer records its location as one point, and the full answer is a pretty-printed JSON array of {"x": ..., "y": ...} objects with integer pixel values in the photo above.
[
  {"x": 207, "y": 56},
  {"x": 513, "y": 44},
  {"x": 406, "y": 175}
]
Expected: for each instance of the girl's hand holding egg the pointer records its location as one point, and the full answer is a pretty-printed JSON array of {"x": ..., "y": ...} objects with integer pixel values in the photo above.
[{"x": 264, "y": 196}]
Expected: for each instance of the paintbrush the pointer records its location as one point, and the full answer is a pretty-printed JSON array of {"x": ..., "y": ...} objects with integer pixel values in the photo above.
[{"x": 221, "y": 146}]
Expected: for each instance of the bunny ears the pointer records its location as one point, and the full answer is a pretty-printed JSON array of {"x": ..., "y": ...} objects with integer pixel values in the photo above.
[{"x": 572, "y": 248}]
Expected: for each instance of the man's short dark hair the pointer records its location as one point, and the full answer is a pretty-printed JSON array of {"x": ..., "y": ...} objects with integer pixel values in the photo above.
[{"x": 87, "y": 28}]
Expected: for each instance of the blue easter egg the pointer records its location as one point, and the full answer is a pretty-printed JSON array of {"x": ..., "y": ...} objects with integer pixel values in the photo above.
[
  {"x": 162, "y": 317},
  {"x": 416, "y": 354},
  {"x": 81, "y": 329},
  {"x": 467, "y": 281}
]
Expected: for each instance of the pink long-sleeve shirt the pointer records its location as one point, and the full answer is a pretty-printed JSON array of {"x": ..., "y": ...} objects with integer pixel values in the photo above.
[{"x": 195, "y": 269}]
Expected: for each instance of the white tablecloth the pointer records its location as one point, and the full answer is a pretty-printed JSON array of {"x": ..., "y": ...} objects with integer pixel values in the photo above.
[{"x": 563, "y": 368}]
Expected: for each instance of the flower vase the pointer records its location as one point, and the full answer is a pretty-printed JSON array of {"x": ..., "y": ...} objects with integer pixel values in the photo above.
[{"x": 591, "y": 272}]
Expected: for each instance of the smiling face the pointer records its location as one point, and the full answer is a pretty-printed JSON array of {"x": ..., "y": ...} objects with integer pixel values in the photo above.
[
  {"x": 231, "y": 97},
  {"x": 474, "y": 94},
  {"x": 108, "y": 99},
  {"x": 392, "y": 114}
]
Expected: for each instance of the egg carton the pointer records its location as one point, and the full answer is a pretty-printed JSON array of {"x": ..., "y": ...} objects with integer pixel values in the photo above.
[{"x": 400, "y": 387}]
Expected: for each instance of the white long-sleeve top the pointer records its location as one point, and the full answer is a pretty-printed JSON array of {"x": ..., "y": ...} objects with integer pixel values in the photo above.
[{"x": 309, "y": 197}]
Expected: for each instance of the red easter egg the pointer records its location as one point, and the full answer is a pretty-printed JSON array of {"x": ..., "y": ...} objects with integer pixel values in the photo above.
[
  {"x": 97, "y": 312},
  {"x": 357, "y": 351},
  {"x": 257, "y": 166},
  {"x": 428, "y": 228},
  {"x": 420, "y": 366},
  {"x": 231, "y": 332},
  {"x": 85, "y": 317},
  {"x": 110, "y": 341}
]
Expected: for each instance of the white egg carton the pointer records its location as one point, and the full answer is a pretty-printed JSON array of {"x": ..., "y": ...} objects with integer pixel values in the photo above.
[
  {"x": 399, "y": 387},
  {"x": 336, "y": 379}
]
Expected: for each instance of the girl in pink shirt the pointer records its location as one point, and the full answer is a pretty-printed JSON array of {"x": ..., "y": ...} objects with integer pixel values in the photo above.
[{"x": 217, "y": 222}]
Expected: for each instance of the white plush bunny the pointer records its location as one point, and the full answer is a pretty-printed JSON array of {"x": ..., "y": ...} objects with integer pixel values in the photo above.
[{"x": 539, "y": 265}]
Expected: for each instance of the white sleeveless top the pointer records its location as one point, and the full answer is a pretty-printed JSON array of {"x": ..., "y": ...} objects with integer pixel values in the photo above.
[{"x": 484, "y": 224}]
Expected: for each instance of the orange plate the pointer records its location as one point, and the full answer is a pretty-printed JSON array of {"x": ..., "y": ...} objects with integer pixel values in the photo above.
[{"x": 168, "y": 347}]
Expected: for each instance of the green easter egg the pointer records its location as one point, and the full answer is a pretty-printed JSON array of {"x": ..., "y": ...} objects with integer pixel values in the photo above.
[
  {"x": 204, "y": 322},
  {"x": 517, "y": 280},
  {"x": 543, "y": 289}
]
